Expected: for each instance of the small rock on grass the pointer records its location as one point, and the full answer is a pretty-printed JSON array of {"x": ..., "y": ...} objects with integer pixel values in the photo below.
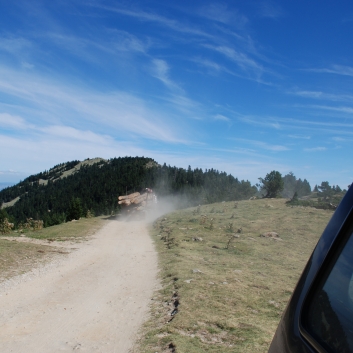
[
  {"x": 272, "y": 302},
  {"x": 196, "y": 270},
  {"x": 197, "y": 239},
  {"x": 272, "y": 235}
]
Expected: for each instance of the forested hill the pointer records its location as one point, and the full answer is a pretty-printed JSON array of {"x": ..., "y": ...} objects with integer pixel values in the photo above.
[{"x": 97, "y": 184}]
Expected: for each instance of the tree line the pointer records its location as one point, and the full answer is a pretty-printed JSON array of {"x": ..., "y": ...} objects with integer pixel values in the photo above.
[{"x": 94, "y": 189}]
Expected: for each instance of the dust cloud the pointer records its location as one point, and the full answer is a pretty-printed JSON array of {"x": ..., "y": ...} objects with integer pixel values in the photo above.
[{"x": 153, "y": 211}]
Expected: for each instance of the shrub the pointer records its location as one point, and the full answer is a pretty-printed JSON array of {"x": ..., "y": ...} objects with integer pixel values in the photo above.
[{"x": 5, "y": 226}]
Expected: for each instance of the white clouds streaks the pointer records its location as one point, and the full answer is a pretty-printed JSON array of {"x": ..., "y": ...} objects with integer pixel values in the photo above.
[
  {"x": 222, "y": 118},
  {"x": 315, "y": 149},
  {"x": 12, "y": 122},
  {"x": 14, "y": 45},
  {"x": 264, "y": 145},
  {"x": 161, "y": 20},
  {"x": 324, "y": 96},
  {"x": 336, "y": 69},
  {"x": 177, "y": 81},
  {"x": 118, "y": 111},
  {"x": 241, "y": 59},
  {"x": 348, "y": 110},
  {"x": 160, "y": 70}
]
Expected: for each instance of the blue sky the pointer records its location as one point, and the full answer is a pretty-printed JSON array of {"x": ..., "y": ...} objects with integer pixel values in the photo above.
[{"x": 245, "y": 87}]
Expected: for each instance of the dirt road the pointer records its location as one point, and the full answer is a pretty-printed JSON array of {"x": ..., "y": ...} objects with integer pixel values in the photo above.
[{"x": 94, "y": 300}]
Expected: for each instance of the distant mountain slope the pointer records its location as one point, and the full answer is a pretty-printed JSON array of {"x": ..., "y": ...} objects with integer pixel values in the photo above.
[{"x": 98, "y": 182}]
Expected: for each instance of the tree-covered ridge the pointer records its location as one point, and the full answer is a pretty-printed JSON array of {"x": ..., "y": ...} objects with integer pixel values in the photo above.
[
  {"x": 10, "y": 193},
  {"x": 97, "y": 187}
]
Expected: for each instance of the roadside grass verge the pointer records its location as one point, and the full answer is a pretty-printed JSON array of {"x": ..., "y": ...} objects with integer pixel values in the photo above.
[
  {"x": 17, "y": 258},
  {"x": 73, "y": 231},
  {"x": 223, "y": 287},
  {"x": 21, "y": 254}
]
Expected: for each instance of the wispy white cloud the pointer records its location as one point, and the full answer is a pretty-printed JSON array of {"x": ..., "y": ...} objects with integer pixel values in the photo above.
[
  {"x": 160, "y": 70},
  {"x": 221, "y": 13},
  {"x": 14, "y": 45},
  {"x": 187, "y": 106},
  {"x": 158, "y": 19},
  {"x": 13, "y": 121},
  {"x": 348, "y": 110},
  {"x": 91, "y": 48},
  {"x": 336, "y": 69},
  {"x": 276, "y": 125},
  {"x": 241, "y": 59},
  {"x": 55, "y": 101},
  {"x": 264, "y": 145},
  {"x": 209, "y": 64},
  {"x": 300, "y": 137},
  {"x": 41, "y": 150},
  {"x": 222, "y": 118},
  {"x": 323, "y": 95},
  {"x": 339, "y": 139},
  {"x": 291, "y": 124},
  {"x": 315, "y": 149},
  {"x": 9, "y": 172},
  {"x": 67, "y": 132},
  {"x": 214, "y": 68},
  {"x": 124, "y": 41}
]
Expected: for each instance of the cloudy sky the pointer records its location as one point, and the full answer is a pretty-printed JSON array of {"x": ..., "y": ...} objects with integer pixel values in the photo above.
[{"x": 245, "y": 87}]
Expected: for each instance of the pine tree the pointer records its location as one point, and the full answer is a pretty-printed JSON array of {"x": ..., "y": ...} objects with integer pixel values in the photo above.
[{"x": 75, "y": 209}]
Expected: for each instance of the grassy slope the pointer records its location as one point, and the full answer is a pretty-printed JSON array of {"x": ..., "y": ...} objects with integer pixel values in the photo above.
[
  {"x": 74, "y": 230},
  {"x": 235, "y": 303},
  {"x": 17, "y": 257}
]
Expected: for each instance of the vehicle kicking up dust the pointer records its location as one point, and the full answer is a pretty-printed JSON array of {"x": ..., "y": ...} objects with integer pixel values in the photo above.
[{"x": 95, "y": 300}]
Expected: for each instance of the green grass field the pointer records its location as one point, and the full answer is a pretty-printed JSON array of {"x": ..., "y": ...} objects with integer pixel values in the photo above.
[{"x": 224, "y": 288}]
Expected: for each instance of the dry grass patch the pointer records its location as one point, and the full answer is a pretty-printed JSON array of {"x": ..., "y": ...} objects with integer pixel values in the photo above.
[
  {"x": 73, "y": 231},
  {"x": 17, "y": 258},
  {"x": 231, "y": 285},
  {"x": 20, "y": 254}
]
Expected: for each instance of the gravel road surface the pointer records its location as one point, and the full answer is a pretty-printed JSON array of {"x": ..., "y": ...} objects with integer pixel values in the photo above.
[{"x": 93, "y": 300}]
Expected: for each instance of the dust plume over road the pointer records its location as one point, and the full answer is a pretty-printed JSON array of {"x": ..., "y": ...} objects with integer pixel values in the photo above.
[{"x": 95, "y": 300}]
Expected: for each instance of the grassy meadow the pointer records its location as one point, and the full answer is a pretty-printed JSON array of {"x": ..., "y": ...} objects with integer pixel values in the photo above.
[{"x": 223, "y": 286}]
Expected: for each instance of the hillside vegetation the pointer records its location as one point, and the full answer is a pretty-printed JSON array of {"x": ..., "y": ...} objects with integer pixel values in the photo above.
[
  {"x": 78, "y": 189},
  {"x": 96, "y": 184},
  {"x": 224, "y": 287}
]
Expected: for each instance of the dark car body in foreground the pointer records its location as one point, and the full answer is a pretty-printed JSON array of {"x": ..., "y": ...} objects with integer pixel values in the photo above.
[{"x": 319, "y": 316}]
